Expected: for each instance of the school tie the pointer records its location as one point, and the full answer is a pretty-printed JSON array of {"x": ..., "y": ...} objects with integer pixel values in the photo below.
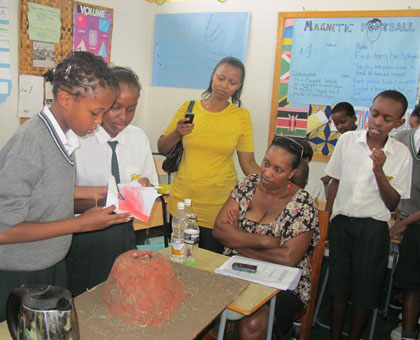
[{"x": 114, "y": 161}]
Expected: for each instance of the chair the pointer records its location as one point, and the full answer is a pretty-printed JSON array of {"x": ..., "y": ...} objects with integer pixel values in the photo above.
[
  {"x": 158, "y": 164},
  {"x": 316, "y": 258}
]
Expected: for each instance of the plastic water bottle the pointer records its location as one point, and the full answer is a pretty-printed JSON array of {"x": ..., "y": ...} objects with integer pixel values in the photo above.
[
  {"x": 177, "y": 236},
  {"x": 191, "y": 239},
  {"x": 188, "y": 207}
]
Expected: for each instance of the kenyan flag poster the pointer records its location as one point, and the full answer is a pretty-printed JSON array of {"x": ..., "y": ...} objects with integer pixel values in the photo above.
[{"x": 291, "y": 122}]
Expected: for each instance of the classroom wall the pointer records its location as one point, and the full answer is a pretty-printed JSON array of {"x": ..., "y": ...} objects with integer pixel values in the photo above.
[{"x": 132, "y": 45}]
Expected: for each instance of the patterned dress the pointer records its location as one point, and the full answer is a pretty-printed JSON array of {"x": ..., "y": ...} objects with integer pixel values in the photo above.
[{"x": 299, "y": 215}]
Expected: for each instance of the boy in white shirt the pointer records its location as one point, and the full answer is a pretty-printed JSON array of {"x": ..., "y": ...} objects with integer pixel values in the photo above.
[{"x": 370, "y": 173}]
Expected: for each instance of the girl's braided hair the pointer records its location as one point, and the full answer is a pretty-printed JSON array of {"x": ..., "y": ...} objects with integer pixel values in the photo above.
[{"x": 79, "y": 73}]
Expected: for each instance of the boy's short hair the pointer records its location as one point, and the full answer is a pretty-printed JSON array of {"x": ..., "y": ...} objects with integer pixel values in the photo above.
[
  {"x": 395, "y": 95},
  {"x": 416, "y": 111},
  {"x": 344, "y": 106}
]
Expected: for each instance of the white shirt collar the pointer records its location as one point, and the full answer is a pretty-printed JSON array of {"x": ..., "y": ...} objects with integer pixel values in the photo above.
[
  {"x": 417, "y": 139},
  {"x": 104, "y": 137},
  {"x": 68, "y": 139},
  {"x": 388, "y": 144}
]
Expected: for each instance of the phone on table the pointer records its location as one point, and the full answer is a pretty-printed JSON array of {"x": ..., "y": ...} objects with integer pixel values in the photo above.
[
  {"x": 243, "y": 267},
  {"x": 190, "y": 116}
]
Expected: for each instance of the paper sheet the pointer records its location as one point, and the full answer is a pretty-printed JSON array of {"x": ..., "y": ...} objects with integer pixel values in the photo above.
[
  {"x": 44, "y": 23},
  {"x": 31, "y": 94},
  {"x": 137, "y": 200},
  {"x": 268, "y": 274},
  {"x": 315, "y": 120}
]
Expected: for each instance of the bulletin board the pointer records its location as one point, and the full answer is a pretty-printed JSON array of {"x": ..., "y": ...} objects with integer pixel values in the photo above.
[
  {"x": 26, "y": 45},
  {"x": 326, "y": 57},
  {"x": 61, "y": 49}
]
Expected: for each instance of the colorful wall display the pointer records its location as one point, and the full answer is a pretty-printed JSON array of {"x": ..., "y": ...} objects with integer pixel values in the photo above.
[
  {"x": 327, "y": 57},
  {"x": 92, "y": 29}
]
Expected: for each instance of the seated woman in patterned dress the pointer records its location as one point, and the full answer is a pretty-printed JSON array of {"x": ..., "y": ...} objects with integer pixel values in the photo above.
[{"x": 268, "y": 218}]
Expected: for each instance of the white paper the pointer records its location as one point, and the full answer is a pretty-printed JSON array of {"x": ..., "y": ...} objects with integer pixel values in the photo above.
[
  {"x": 4, "y": 13},
  {"x": 4, "y": 42},
  {"x": 112, "y": 196},
  {"x": 322, "y": 117},
  {"x": 3, "y": 3},
  {"x": 5, "y": 73},
  {"x": 267, "y": 274},
  {"x": 4, "y": 58},
  {"x": 146, "y": 196},
  {"x": 4, "y": 87},
  {"x": 31, "y": 95}
]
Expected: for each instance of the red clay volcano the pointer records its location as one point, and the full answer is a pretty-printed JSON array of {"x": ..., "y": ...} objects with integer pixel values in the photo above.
[{"x": 142, "y": 287}]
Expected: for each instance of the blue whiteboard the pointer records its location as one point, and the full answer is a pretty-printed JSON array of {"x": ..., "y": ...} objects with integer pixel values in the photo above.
[
  {"x": 353, "y": 59},
  {"x": 188, "y": 46}
]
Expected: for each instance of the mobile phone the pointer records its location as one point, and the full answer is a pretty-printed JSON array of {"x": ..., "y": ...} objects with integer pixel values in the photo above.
[
  {"x": 190, "y": 116},
  {"x": 243, "y": 267}
]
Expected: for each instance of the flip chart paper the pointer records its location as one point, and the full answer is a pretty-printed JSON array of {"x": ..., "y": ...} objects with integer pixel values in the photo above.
[{"x": 187, "y": 46}]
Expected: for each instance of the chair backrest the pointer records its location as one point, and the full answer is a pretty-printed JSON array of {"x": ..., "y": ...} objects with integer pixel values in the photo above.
[
  {"x": 316, "y": 263},
  {"x": 159, "y": 170}
]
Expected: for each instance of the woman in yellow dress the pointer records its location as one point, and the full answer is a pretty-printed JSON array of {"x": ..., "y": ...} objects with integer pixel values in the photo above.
[{"x": 207, "y": 173}]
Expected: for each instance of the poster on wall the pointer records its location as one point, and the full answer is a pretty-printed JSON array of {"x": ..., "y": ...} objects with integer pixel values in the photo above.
[
  {"x": 5, "y": 75},
  {"x": 92, "y": 29},
  {"x": 187, "y": 46},
  {"x": 365, "y": 56},
  {"x": 379, "y": 54}
]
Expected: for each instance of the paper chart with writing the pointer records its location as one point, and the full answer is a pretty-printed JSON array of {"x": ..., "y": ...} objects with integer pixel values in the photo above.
[
  {"x": 353, "y": 59},
  {"x": 44, "y": 23},
  {"x": 5, "y": 75},
  {"x": 31, "y": 94},
  {"x": 267, "y": 274}
]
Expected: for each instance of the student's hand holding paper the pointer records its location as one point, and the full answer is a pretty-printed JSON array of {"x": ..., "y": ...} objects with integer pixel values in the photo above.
[{"x": 100, "y": 218}]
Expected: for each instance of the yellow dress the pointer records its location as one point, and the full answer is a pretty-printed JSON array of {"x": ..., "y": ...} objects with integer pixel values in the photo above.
[{"x": 207, "y": 173}]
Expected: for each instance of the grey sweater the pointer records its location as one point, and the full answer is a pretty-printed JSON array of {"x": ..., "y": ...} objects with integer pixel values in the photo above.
[
  {"x": 36, "y": 185},
  {"x": 410, "y": 206}
]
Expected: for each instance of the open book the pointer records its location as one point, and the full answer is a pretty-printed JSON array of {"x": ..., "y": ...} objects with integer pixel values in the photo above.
[{"x": 267, "y": 274}]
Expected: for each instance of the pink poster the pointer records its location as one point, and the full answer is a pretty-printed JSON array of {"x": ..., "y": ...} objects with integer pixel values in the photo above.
[{"x": 92, "y": 30}]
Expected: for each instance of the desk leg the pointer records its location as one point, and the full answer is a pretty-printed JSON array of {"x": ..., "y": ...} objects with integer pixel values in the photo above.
[
  {"x": 395, "y": 255},
  {"x": 271, "y": 317},
  {"x": 222, "y": 325}
]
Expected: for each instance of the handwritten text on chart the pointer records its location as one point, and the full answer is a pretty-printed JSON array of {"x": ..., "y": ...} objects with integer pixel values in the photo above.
[{"x": 353, "y": 63}]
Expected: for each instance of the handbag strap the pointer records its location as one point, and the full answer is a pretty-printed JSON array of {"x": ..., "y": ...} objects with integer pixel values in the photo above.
[{"x": 190, "y": 106}]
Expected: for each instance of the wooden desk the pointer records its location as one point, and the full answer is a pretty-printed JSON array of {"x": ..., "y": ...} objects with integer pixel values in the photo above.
[
  {"x": 250, "y": 300},
  {"x": 156, "y": 218}
]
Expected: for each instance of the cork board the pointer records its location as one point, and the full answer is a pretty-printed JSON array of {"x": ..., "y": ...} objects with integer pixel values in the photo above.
[
  {"x": 208, "y": 296},
  {"x": 26, "y": 45}
]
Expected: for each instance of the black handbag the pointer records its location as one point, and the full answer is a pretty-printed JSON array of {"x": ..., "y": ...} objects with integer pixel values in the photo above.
[{"x": 173, "y": 158}]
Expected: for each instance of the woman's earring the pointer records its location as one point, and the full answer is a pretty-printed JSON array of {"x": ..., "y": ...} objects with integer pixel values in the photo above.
[{"x": 289, "y": 185}]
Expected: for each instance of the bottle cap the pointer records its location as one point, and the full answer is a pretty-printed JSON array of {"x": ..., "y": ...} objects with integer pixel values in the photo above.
[
  {"x": 180, "y": 205},
  {"x": 192, "y": 216},
  {"x": 187, "y": 201}
]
